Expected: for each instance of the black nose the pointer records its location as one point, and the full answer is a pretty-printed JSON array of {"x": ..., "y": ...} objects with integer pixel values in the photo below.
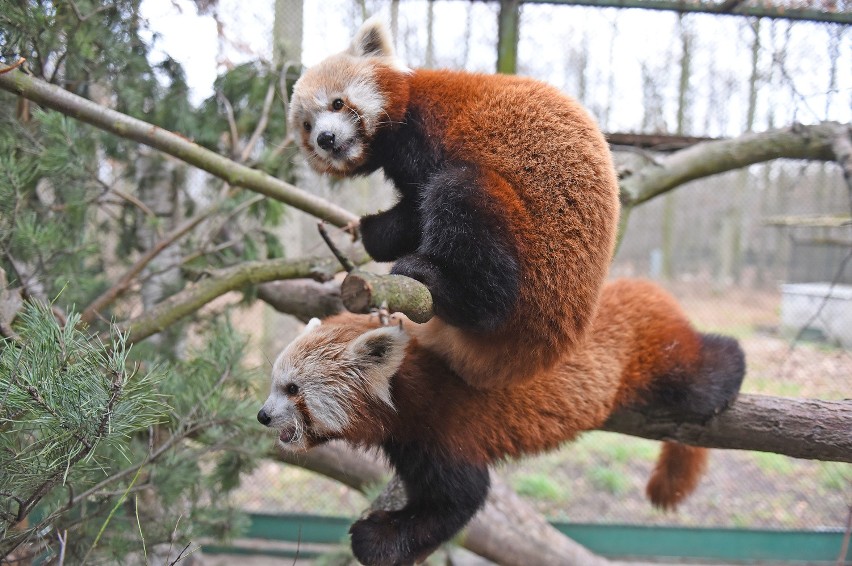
[
  {"x": 263, "y": 418},
  {"x": 325, "y": 140}
]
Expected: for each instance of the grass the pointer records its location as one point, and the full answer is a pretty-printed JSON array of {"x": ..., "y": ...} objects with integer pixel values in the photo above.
[
  {"x": 612, "y": 447},
  {"x": 836, "y": 476},
  {"x": 772, "y": 386},
  {"x": 775, "y": 463},
  {"x": 539, "y": 486},
  {"x": 609, "y": 480}
]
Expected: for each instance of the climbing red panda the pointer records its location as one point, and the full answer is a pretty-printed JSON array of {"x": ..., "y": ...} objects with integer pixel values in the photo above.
[
  {"x": 377, "y": 386},
  {"x": 508, "y": 199}
]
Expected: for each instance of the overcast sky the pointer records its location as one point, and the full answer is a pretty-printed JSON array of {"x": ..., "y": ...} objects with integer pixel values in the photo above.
[{"x": 618, "y": 43}]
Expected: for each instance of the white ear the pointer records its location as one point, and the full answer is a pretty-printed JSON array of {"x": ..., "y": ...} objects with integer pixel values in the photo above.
[
  {"x": 378, "y": 355},
  {"x": 372, "y": 40},
  {"x": 312, "y": 325}
]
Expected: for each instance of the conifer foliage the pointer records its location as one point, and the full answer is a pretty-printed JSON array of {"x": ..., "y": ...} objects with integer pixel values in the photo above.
[{"x": 108, "y": 450}]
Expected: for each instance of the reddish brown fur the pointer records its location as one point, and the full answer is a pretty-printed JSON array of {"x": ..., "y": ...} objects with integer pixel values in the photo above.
[
  {"x": 676, "y": 474},
  {"x": 638, "y": 335},
  {"x": 549, "y": 173},
  {"x": 545, "y": 171}
]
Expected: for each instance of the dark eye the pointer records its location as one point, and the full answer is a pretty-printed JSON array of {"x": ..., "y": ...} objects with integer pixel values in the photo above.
[
  {"x": 337, "y": 104},
  {"x": 292, "y": 389},
  {"x": 307, "y": 126}
]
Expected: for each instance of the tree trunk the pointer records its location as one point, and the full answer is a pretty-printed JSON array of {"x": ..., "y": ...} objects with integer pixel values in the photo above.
[{"x": 507, "y": 36}]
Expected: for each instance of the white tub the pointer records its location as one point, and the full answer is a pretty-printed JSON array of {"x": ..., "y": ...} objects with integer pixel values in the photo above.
[{"x": 800, "y": 302}]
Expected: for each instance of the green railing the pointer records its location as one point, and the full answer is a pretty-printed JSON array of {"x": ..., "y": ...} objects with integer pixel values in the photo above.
[{"x": 731, "y": 545}]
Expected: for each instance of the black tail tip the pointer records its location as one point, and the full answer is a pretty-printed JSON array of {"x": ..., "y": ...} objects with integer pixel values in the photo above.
[{"x": 720, "y": 375}]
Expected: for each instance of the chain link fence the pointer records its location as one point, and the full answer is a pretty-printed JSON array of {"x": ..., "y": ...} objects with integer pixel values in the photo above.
[{"x": 761, "y": 254}]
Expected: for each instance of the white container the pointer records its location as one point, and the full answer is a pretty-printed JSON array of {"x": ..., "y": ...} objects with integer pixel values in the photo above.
[{"x": 820, "y": 307}]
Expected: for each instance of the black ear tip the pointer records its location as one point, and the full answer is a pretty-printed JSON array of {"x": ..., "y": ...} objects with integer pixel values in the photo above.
[
  {"x": 372, "y": 41},
  {"x": 378, "y": 348}
]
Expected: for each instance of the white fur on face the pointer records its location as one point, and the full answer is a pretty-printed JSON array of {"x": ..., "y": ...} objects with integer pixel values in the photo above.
[
  {"x": 338, "y": 382},
  {"x": 351, "y": 80}
]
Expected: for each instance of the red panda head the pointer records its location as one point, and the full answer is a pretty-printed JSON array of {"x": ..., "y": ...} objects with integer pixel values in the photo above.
[
  {"x": 338, "y": 105},
  {"x": 328, "y": 379}
]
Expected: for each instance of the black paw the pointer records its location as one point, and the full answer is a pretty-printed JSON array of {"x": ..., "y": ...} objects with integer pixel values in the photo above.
[
  {"x": 418, "y": 267},
  {"x": 377, "y": 541},
  {"x": 389, "y": 235}
]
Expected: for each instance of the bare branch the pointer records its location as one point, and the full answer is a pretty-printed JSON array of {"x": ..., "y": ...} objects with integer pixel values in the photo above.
[
  {"x": 713, "y": 157},
  {"x": 261, "y": 123},
  {"x": 221, "y": 281},
  {"x": 345, "y": 262},
  {"x": 801, "y": 428},
  {"x": 107, "y": 297},
  {"x": 173, "y": 144},
  {"x": 232, "y": 122},
  {"x": 362, "y": 291},
  {"x": 14, "y": 66}
]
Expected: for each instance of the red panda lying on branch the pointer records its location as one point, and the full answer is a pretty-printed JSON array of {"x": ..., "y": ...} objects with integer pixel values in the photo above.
[
  {"x": 373, "y": 386},
  {"x": 508, "y": 199}
]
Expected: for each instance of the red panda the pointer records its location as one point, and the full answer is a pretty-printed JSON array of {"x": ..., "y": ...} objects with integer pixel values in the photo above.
[
  {"x": 508, "y": 199},
  {"x": 377, "y": 386}
]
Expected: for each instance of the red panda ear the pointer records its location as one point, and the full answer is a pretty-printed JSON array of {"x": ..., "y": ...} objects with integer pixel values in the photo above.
[
  {"x": 312, "y": 325},
  {"x": 372, "y": 40},
  {"x": 378, "y": 355}
]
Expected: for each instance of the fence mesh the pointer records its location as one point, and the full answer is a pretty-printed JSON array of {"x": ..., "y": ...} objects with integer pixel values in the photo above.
[{"x": 761, "y": 254}]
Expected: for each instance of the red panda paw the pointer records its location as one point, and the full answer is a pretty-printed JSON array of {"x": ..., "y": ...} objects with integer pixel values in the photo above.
[
  {"x": 375, "y": 540},
  {"x": 380, "y": 539},
  {"x": 353, "y": 228},
  {"x": 382, "y": 312}
]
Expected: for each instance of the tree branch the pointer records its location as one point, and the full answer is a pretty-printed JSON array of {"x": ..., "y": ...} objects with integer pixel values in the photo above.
[
  {"x": 217, "y": 283},
  {"x": 362, "y": 291},
  {"x": 801, "y": 428},
  {"x": 61, "y": 100},
  {"x": 302, "y": 298},
  {"x": 507, "y": 530},
  {"x": 120, "y": 286},
  {"x": 713, "y": 157}
]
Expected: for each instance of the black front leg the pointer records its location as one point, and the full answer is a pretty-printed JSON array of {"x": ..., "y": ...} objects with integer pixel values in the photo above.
[
  {"x": 393, "y": 233},
  {"x": 467, "y": 256},
  {"x": 443, "y": 495}
]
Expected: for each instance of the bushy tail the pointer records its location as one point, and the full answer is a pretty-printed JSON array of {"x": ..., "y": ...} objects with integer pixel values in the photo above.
[
  {"x": 706, "y": 393},
  {"x": 676, "y": 475},
  {"x": 717, "y": 382}
]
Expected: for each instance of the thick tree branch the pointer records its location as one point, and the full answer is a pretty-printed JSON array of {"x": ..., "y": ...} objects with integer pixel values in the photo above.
[
  {"x": 713, "y": 157},
  {"x": 507, "y": 530},
  {"x": 801, "y": 428},
  {"x": 54, "y": 97},
  {"x": 362, "y": 291},
  {"x": 302, "y": 298}
]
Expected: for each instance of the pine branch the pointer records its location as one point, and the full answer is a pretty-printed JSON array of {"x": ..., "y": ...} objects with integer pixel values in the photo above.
[{"x": 61, "y": 100}]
